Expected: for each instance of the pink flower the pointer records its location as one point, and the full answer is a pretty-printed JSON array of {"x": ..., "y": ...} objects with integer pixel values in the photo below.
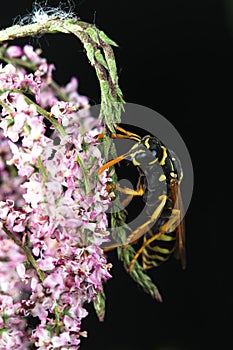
[
  {"x": 11, "y": 325},
  {"x": 42, "y": 338},
  {"x": 32, "y": 55},
  {"x": 56, "y": 209},
  {"x": 47, "y": 263},
  {"x": 5, "y": 209},
  {"x": 71, "y": 90},
  {"x": 14, "y": 51}
]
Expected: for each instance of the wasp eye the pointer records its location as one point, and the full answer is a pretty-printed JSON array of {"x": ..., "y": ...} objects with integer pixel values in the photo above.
[
  {"x": 154, "y": 153},
  {"x": 140, "y": 156}
]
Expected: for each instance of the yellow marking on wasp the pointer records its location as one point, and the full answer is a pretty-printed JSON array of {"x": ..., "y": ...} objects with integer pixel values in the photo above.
[
  {"x": 133, "y": 157},
  {"x": 135, "y": 146},
  {"x": 135, "y": 162},
  {"x": 162, "y": 178},
  {"x": 161, "y": 250},
  {"x": 165, "y": 237},
  {"x": 172, "y": 167},
  {"x": 147, "y": 265},
  {"x": 147, "y": 143},
  {"x": 156, "y": 249},
  {"x": 173, "y": 174},
  {"x": 153, "y": 161},
  {"x": 161, "y": 235},
  {"x": 162, "y": 162},
  {"x": 161, "y": 258}
]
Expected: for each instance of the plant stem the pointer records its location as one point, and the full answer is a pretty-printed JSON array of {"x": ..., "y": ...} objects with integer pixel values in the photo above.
[
  {"x": 28, "y": 254},
  {"x": 40, "y": 110},
  {"x": 98, "y": 50}
]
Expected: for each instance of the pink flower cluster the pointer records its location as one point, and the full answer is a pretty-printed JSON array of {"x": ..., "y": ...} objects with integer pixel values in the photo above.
[{"x": 52, "y": 207}]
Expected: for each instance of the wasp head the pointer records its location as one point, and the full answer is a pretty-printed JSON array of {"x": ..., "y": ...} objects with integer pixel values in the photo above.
[{"x": 148, "y": 151}]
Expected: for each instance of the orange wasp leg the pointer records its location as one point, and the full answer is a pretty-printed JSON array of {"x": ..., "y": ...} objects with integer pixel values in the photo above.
[
  {"x": 132, "y": 193},
  {"x": 125, "y": 135},
  {"x": 139, "y": 192},
  {"x": 126, "y": 190}
]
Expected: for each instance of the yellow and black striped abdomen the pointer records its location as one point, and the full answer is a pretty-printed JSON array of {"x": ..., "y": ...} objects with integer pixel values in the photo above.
[{"x": 161, "y": 176}]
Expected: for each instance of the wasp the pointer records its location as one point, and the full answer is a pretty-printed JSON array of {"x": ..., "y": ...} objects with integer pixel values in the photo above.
[{"x": 163, "y": 230}]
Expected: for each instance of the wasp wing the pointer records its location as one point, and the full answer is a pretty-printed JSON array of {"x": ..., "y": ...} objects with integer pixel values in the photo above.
[{"x": 179, "y": 251}]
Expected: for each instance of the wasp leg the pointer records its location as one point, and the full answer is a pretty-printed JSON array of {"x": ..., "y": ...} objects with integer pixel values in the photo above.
[
  {"x": 111, "y": 163},
  {"x": 111, "y": 247},
  {"x": 167, "y": 227},
  {"x": 145, "y": 227},
  {"x": 126, "y": 134},
  {"x": 131, "y": 193}
]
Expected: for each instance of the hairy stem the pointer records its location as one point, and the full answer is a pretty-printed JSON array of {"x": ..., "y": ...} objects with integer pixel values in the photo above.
[{"x": 99, "y": 53}]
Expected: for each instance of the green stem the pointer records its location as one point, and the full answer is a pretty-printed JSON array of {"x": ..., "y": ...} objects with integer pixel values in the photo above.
[
  {"x": 50, "y": 26},
  {"x": 40, "y": 110},
  {"x": 29, "y": 65},
  {"x": 138, "y": 274},
  {"x": 18, "y": 62},
  {"x": 47, "y": 115},
  {"x": 33, "y": 262},
  {"x": 58, "y": 91},
  {"x": 6, "y": 107},
  {"x": 85, "y": 175},
  {"x": 28, "y": 254},
  {"x": 42, "y": 169},
  {"x": 94, "y": 41}
]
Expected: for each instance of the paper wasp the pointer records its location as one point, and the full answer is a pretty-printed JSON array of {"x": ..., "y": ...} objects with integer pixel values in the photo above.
[{"x": 163, "y": 230}]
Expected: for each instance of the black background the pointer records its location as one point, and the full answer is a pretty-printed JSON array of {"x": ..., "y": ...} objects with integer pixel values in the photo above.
[{"x": 175, "y": 57}]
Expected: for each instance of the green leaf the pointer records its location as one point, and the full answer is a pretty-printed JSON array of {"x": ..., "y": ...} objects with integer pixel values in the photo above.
[
  {"x": 112, "y": 69},
  {"x": 90, "y": 52},
  {"x": 106, "y": 39},
  {"x": 120, "y": 96},
  {"x": 99, "y": 305},
  {"x": 100, "y": 58},
  {"x": 84, "y": 172},
  {"x": 138, "y": 274},
  {"x": 93, "y": 34},
  {"x": 2, "y": 330}
]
